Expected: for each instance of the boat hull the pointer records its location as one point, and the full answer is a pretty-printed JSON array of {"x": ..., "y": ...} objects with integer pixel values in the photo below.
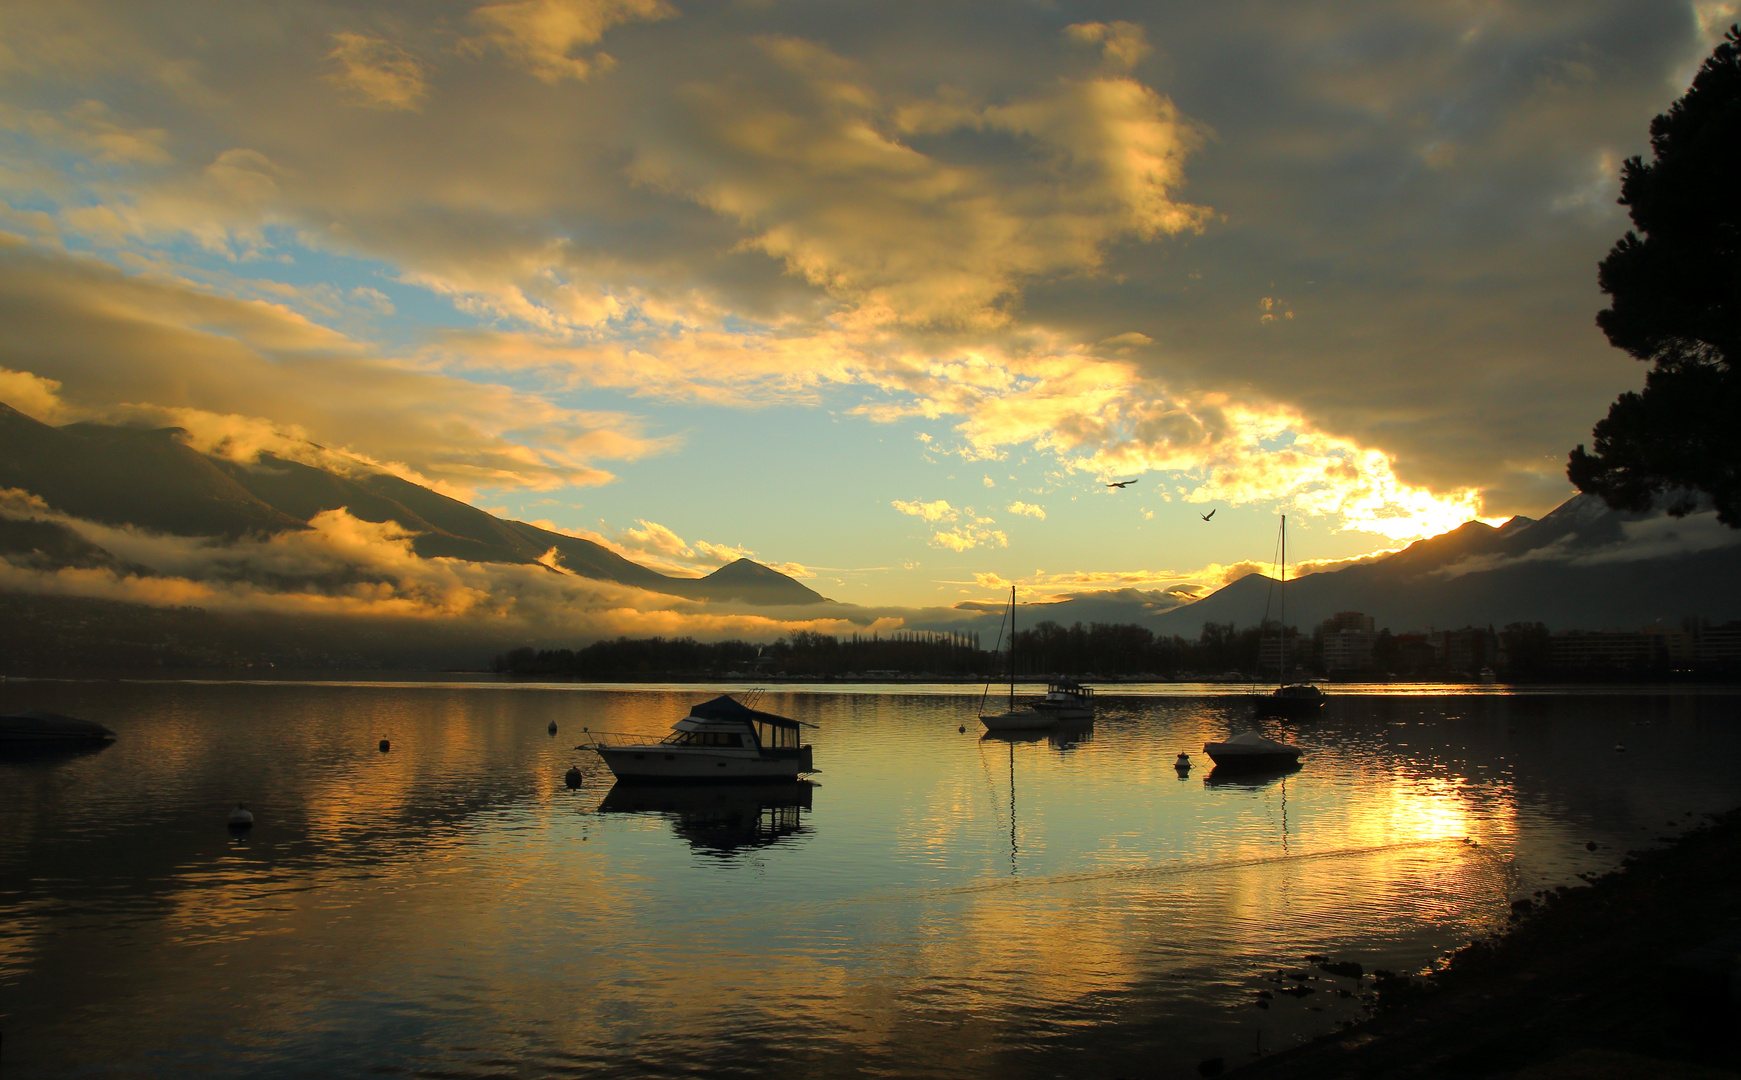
[
  {"x": 1065, "y": 712},
  {"x": 1251, "y": 776},
  {"x": 1235, "y": 760},
  {"x": 1019, "y": 720},
  {"x": 31, "y": 729},
  {"x": 656, "y": 762}
]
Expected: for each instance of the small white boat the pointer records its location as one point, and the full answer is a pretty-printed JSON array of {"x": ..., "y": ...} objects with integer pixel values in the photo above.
[
  {"x": 719, "y": 740},
  {"x": 1066, "y": 699},
  {"x": 1251, "y": 751}
]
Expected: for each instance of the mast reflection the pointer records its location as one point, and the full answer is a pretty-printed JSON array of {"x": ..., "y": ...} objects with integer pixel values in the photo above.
[
  {"x": 719, "y": 819},
  {"x": 1063, "y": 736}
]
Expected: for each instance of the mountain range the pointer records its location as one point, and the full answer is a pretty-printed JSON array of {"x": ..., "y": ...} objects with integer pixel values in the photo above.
[
  {"x": 1580, "y": 567},
  {"x": 150, "y": 478}
]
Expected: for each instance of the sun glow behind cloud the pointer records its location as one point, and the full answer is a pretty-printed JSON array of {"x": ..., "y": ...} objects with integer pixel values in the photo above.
[{"x": 545, "y": 245}]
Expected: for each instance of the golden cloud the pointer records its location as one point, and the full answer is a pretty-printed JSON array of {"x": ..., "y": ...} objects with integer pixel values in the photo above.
[
  {"x": 810, "y": 156},
  {"x": 35, "y": 397},
  {"x": 378, "y": 72},
  {"x": 938, "y": 510},
  {"x": 543, "y": 35},
  {"x": 158, "y": 349}
]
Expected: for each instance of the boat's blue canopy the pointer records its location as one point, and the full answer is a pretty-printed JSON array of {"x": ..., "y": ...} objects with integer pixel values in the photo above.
[{"x": 725, "y": 707}]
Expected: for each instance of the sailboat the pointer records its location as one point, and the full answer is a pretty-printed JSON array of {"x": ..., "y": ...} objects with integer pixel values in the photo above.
[
  {"x": 1012, "y": 718},
  {"x": 1299, "y": 700}
]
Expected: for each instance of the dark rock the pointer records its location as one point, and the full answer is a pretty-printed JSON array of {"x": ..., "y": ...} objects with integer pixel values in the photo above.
[
  {"x": 1346, "y": 968},
  {"x": 1210, "y": 1067}
]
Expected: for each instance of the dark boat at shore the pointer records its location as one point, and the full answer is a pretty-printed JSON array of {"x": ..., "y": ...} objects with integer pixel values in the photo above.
[
  {"x": 34, "y": 729},
  {"x": 1296, "y": 701}
]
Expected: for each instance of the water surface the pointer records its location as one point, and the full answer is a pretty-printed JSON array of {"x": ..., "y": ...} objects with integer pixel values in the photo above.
[{"x": 939, "y": 905}]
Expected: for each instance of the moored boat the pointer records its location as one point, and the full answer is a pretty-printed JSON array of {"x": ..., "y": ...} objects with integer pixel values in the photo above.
[
  {"x": 1066, "y": 699},
  {"x": 1296, "y": 700},
  {"x": 721, "y": 739},
  {"x": 1013, "y": 718},
  {"x": 1251, "y": 751},
  {"x": 1293, "y": 701},
  {"x": 36, "y": 728}
]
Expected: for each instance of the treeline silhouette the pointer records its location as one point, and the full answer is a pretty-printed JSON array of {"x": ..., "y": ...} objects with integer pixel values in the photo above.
[{"x": 1046, "y": 648}]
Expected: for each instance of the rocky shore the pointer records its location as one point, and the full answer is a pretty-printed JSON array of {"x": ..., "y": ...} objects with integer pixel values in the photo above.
[{"x": 1631, "y": 977}]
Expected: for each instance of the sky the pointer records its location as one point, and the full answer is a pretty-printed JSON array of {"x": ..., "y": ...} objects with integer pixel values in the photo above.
[{"x": 883, "y": 296}]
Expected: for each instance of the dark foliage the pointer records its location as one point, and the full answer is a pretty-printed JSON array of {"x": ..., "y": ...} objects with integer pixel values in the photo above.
[
  {"x": 1045, "y": 649},
  {"x": 1675, "y": 289}
]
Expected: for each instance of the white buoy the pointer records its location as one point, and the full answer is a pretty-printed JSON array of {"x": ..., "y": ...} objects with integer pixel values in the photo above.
[
  {"x": 1184, "y": 763},
  {"x": 241, "y": 817}
]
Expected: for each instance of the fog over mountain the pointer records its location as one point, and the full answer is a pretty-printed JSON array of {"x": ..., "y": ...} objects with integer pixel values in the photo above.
[{"x": 150, "y": 479}]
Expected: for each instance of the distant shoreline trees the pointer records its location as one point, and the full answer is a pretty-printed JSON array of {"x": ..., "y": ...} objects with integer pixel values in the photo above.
[{"x": 1221, "y": 652}]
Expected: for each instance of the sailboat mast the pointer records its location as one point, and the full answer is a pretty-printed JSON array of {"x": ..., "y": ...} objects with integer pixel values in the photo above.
[
  {"x": 1282, "y": 612},
  {"x": 1012, "y": 656}
]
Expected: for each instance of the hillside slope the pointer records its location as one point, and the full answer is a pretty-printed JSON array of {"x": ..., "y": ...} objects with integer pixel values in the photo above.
[{"x": 151, "y": 479}]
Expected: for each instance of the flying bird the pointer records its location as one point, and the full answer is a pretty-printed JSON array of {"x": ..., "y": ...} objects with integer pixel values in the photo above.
[
  {"x": 1121, "y": 483},
  {"x": 1210, "y": 514}
]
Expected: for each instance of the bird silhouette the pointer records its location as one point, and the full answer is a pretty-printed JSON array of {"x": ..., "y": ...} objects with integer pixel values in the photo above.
[
  {"x": 1121, "y": 483},
  {"x": 1210, "y": 514}
]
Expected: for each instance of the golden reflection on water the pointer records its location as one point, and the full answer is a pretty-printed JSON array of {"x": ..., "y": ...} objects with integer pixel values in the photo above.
[{"x": 945, "y": 902}]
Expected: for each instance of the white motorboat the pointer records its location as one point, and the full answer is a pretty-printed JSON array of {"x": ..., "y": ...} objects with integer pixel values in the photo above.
[
  {"x": 1066, "y": 699},
  {"x": 1012, "y": 718},
  {"x": 1251, "y": 751},
  {"x": 720, "y": 739}
]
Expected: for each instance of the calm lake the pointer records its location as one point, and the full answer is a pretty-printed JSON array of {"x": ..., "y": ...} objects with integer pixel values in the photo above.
[{"x": 938, "y": 905}]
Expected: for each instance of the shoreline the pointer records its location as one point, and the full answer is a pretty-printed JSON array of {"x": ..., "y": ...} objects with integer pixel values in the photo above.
[{"x": 1631, "y": 976}]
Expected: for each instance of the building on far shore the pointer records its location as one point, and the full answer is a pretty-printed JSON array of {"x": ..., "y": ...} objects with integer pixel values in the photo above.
[
  {"x": 1345, "y": 641},
  {"x": 1652, "y": 647},
  {"x": 1469, "y": 649}
]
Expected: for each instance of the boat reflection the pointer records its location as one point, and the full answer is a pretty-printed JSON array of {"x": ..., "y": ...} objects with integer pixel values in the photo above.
[
  {"x": 1063, "y": 735},
  {"x": 1249, "y": 776},
  {"x": 719, "y": 818}
]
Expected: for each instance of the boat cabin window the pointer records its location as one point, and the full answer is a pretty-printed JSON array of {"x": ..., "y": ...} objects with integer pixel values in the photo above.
[
  {"x": 704, "y": 738},
  {"x": 777, "y": 736}
]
